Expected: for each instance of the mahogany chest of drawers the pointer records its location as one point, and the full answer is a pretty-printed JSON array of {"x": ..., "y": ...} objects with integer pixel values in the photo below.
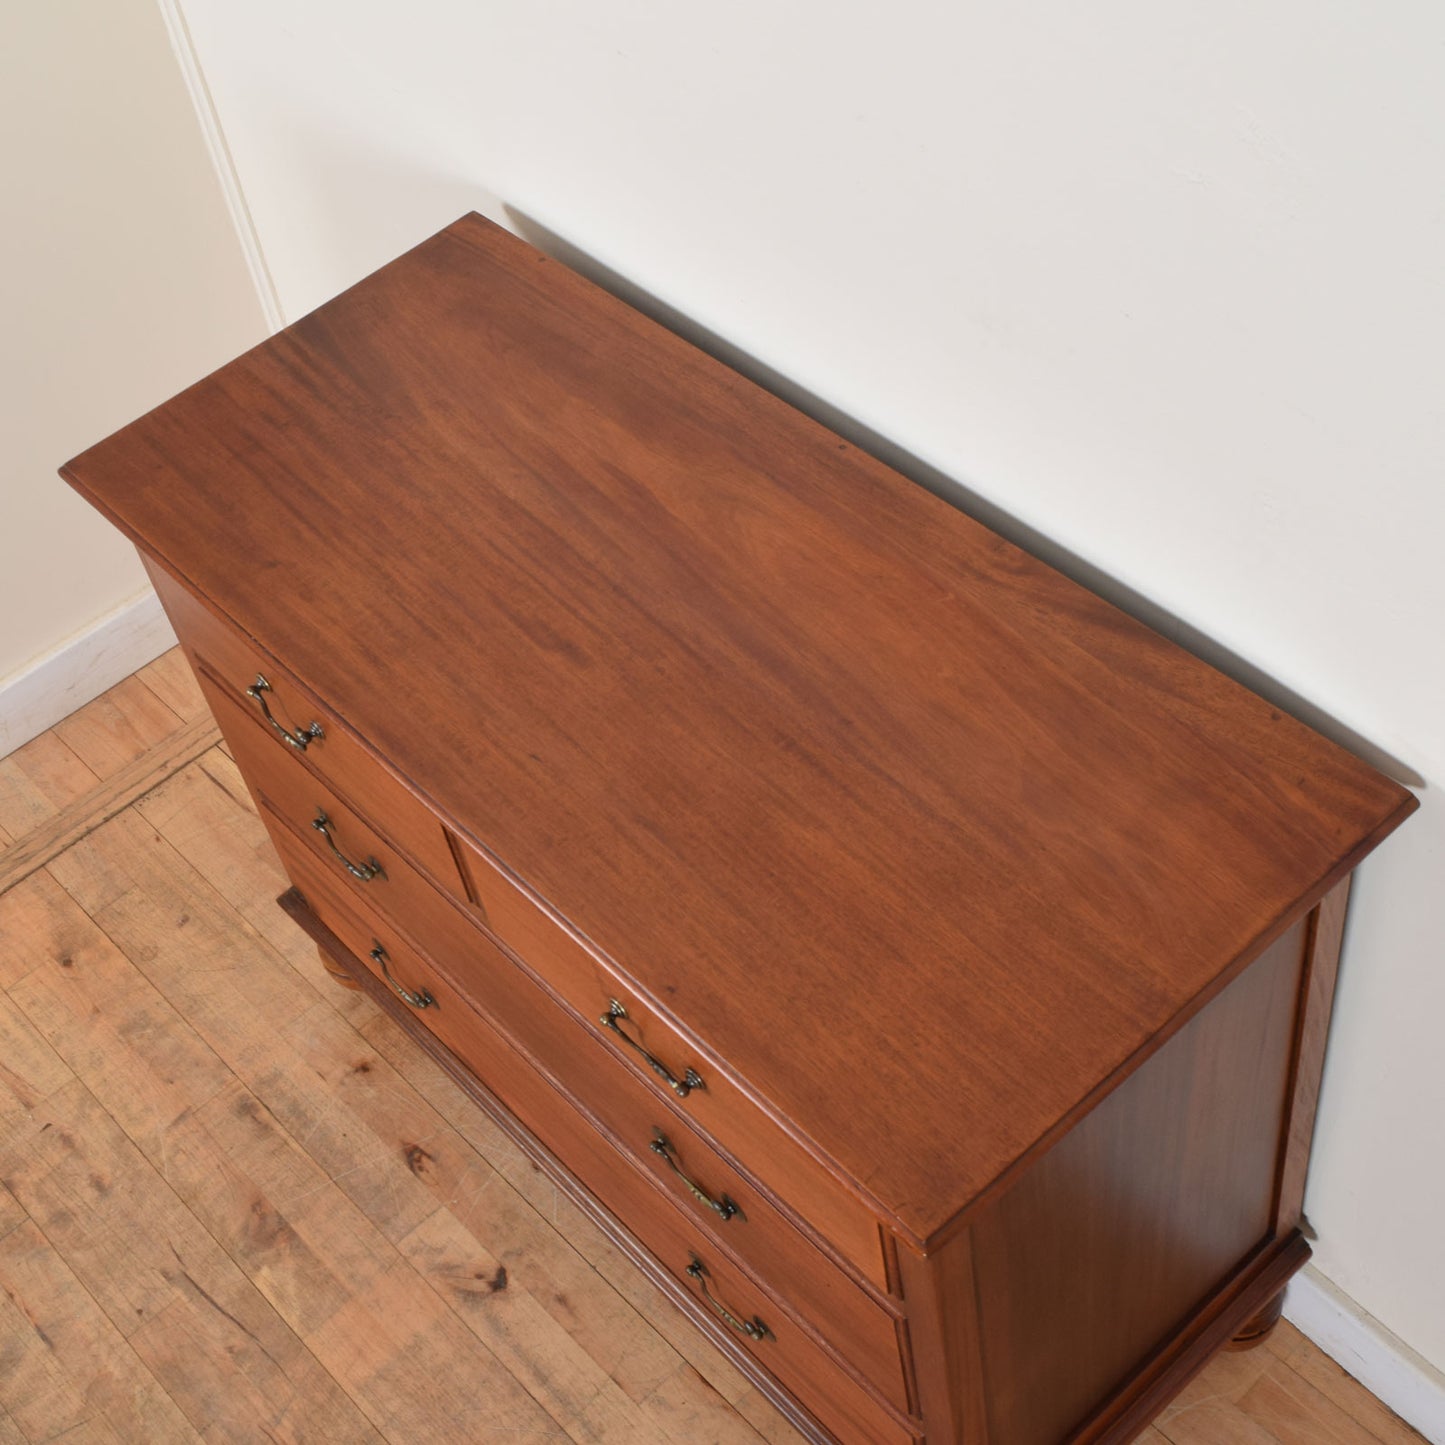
[{"x": 920, "y": 966}]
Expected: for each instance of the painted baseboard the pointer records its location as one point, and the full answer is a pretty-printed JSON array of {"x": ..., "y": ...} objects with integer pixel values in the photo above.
[
  {"x": 82, "y": 668},
  {"x": 1361, "y": 1345}
]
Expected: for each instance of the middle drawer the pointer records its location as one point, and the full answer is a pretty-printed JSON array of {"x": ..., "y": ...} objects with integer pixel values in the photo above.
[{"x": 464, "y": 967}]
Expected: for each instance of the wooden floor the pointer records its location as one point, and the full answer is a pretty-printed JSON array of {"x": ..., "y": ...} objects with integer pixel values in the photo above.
[{"x": 237, "y": 1204}]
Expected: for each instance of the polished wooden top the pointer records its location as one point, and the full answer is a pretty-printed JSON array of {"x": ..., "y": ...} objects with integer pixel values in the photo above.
[{"x": 928, "y": 842}]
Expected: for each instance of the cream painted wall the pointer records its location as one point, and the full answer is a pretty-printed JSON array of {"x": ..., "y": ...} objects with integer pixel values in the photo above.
[
  {"x": 123, "y": 281},
  {"x": 1160, "y": 282}
]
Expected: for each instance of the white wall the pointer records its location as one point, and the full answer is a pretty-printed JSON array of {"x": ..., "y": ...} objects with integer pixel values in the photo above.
[
  {"x": 122, "y": 282},
  {"x": 1162, "y": 282}
]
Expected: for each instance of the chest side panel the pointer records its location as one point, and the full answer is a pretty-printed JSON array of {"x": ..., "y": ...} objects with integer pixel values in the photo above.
[{"x": 1101, "y": 1250}]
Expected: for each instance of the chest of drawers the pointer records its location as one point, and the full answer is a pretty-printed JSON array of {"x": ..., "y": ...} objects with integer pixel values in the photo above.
[{"x": 921, "y": 968}]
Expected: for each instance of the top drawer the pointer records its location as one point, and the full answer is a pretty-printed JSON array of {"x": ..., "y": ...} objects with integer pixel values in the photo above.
[{"x": 304, "y": 729}]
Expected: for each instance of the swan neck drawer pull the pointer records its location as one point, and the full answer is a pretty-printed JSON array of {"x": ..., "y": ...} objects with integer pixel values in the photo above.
[
  {"x": 681, "y": 1087},
  {"x": 754, "y": 1328},
  {"x": 364, "y": 871},
  {"x": 416, "y": 1000},
  {"x": 301, "y": 740},
  {"x": 724, "y": 1208}
]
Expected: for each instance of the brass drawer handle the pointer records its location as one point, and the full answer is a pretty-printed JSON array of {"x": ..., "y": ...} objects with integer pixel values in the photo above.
[
  {"x": 364, "y": 871},
  {"x": 416, "y": 1000},
  {"x": 754, "y": 1328},
  {"x": 681, "y": 1087},
  {"x": 298, "y": 740},
  {"x": 724, "y": 1208}
]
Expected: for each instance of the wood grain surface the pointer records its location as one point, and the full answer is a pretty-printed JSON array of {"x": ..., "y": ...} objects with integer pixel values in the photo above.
[
  {"x": 648, "y": 633},
  {"x": 1140, "y": 1213},
  {"x": 218, "y": 1220}
]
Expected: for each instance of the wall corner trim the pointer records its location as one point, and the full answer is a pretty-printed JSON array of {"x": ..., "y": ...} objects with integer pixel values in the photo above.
[
  {"x": 81, "y": 668},
  {"x": 225, "y": 167},
  {"x": 1364, "y": 1348}
]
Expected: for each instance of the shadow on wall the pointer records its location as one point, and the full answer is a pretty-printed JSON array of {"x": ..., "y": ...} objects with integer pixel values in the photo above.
[{"x": 966, "y": 500}]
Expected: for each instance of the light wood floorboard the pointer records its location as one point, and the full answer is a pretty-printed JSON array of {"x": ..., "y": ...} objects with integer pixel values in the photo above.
[{"x": 238, "y": 1204}]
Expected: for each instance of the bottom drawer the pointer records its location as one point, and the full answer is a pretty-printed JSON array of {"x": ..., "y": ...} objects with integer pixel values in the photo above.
[{"x": 736, "y": 1303}]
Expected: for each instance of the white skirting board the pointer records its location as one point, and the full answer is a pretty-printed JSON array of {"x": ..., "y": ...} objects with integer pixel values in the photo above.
[
  {"x": 1384, "y": 1364},
  {"x": 82, "y": 668}
]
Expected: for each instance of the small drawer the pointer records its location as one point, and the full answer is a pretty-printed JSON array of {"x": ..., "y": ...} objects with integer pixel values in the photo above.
[
  {"x": 346, "y": 845},
  {"x": 722, "y": 1288},
  {"x": 668, "y": 1060},
  {"x": 232, "y": 667},
  {"x": 725, "y": 1207},
  {"x": 439, "y": 1002}
]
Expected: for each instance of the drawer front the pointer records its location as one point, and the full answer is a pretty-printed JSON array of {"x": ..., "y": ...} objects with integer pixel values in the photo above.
[
  {"x": 664, "y": 1056},
  {"x": 739, "y": 1218},
  {"x": 230, "y": 666},
  {"x": 344, "y": 842},
  {"x": 787, "y": 1352}
]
